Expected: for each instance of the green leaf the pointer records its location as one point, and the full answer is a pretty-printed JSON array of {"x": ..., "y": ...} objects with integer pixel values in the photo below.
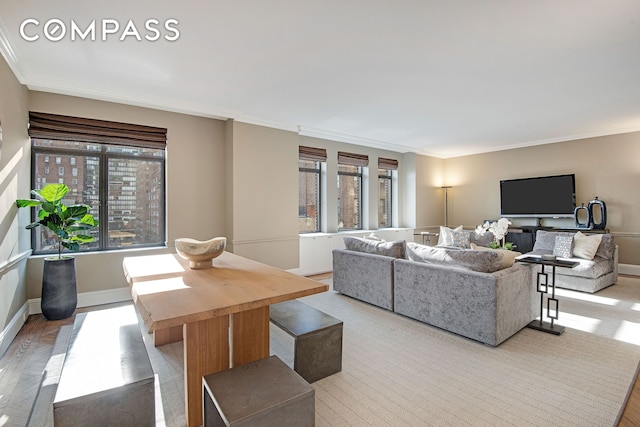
[
  {"x": 48, "y": 207},
  {"x": 72, "y": 246},
  {"x": 89, "y": 220},
  {"x": 81, "y": 238},
  {"x": 53, "y": 193},
  {"x": 27, "y": 203},
  {"x": 76, "y": 211}
]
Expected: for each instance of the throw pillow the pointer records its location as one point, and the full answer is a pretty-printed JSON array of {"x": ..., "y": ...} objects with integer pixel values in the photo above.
[
  {"x": 374, "y": 236},
  {"x": 508, "y": 257},
  {"x": 461, "y": 238},
  {"x": 391, "y": 249},
  {"x": 586, "y": 246},
  {"x": 563, "y": 247},
  {"x": 446, "y": 235},
  {"x": 481, "y": 239},
  {"x": 484, "y": 262}
]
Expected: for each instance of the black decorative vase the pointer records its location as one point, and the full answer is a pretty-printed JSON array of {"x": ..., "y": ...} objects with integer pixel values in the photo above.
[
  {"x": 600, "y": 213},
  {"x": 59, "y": 295},
  {"x": 587, "y": 224}
]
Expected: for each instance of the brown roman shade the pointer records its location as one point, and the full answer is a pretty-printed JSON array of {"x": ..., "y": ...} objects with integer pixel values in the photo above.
[
  {"x": 312, "y": 154},
  {"x": 352, "y": 159},
  {"x": 388, "y": 164},
  {"x": 67, "y": 128}
]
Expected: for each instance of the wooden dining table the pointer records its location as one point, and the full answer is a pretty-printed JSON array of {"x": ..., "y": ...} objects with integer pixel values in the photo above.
[{"x": 221, "y": 313}]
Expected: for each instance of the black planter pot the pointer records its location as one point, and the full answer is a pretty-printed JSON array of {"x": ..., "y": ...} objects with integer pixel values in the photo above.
[{"x": 59, "y": 295}]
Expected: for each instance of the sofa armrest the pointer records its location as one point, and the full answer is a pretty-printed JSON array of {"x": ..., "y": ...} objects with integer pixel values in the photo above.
[{"x": 367, "y": 277}]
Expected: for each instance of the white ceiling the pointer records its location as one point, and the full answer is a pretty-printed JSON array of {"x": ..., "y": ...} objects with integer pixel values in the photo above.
[{"x": 443, "y": 78}]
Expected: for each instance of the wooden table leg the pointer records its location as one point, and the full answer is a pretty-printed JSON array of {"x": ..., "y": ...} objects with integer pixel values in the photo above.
[
  {"x": 206, "y": 351},
  {"x": 250, "y": 334},
  {"x": 167, "y": 336}
]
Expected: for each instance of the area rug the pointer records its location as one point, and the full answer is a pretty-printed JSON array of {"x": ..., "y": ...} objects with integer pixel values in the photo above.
[
  {"x": 400, "y": 372},
  {"x": 397, "y": 371}
]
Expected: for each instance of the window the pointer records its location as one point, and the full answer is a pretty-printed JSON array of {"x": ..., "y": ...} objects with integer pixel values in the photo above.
[
  {"x": 310, "y": 162},
  {"x": 122, "y": 179},
  {"x": 350, "y": 190},
  {"x": 384, "y": 198},
  {"x": 385, "y": 191}
]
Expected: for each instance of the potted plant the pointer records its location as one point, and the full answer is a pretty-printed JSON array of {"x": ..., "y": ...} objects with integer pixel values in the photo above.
[{"x": 69, "y": 225}]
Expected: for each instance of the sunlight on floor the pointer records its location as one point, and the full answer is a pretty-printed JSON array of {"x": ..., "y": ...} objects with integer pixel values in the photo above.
[
  {"x": 635, "y": 307},
  {"x": 587, "y": 297},
  {"x": 581, "y": 323},
  {"x": 628, "y": 332},
  {"x": 4, "y": 420}
]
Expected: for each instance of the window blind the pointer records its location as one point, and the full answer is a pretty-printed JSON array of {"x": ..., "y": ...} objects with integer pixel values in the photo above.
[
  {"x": 67, "y": 128},
  {"x": 312, "y": 154},
  {"x": 388, "y": 164},
  {"x": 352, "y": 159}
]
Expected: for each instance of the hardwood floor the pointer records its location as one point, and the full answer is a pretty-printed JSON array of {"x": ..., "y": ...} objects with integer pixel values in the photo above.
[
  {"x": 631, "y": 415},
  {"x": 22, "y": 365}
]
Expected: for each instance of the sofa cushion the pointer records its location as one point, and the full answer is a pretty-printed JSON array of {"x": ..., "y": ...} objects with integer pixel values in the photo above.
[
  {"x": 446, "y": 235},
  {"x": 545, "y": 241},
  {"x": 461, "y": 238},
  {"x": 391, "y": 249},
  {"x": 563, "y": 246},
  {"x": 508, "y": 257},
  {"x": 586, "y": 246},
  {"x": 607, "y": 247},
  {"x": 482, "y": 261},
  {"x": 481, "y": 239}
]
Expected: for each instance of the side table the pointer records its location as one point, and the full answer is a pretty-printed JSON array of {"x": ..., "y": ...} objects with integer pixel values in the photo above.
[{"x": 543, "y": 285}]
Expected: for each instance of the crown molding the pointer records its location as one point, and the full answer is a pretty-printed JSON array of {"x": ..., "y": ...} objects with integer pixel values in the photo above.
[
  {"x": 357, "y": 140},
  {"x": 9, "y": 54}
]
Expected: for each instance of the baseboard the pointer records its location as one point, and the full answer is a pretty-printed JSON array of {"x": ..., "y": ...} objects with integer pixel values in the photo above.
[
  {"x": 629, "y": 269},
  {"x": 13, "y": 327},
  {"x": 88, "y": 299}
]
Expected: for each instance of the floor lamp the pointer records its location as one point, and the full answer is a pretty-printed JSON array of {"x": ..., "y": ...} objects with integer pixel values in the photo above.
[{"x": 446, "y": 204}]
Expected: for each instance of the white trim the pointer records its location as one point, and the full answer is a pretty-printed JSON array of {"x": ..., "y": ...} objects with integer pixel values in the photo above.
[
  {"x": 357, "y": 140},
  {"x": 13, "y": 327},
  {"x": 629, "y": 269},
  {"x": 88, "y": 299},
  {"x": 6, "y": 265},
  {"x": 9, "y": 54}
]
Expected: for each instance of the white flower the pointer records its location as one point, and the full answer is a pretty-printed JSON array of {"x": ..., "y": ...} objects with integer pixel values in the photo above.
[{"x": 498, "y": 228}]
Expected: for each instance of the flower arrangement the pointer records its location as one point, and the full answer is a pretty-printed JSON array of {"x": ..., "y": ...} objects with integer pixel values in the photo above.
[{"x": 499, "y": 230}]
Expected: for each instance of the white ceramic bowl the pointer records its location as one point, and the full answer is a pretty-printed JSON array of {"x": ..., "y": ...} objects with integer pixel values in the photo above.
[{"x": 200, "y": 254}]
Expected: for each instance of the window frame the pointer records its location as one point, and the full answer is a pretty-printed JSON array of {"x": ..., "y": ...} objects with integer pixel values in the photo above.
[
  {"x": 104, "y": 156},
  {"x": 318, "y": 171},
  {"x": 388, "y": 176},
  {"x": 359, "y": 174}
]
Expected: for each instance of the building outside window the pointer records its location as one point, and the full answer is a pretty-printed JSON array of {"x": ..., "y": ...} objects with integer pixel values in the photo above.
[
  {"x": 386, "y": 168},
  {"x": 120, "y": 180},
  {"x": 350, "y": 169},
  {"x": 310, "y": 163},
  {"x": 384, "y": 198}
]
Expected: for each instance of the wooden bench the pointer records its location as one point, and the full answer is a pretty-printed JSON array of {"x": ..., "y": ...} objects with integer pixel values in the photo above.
[
  {"x": 317, "y": 336},
  {"x": 106, "y": 377}
]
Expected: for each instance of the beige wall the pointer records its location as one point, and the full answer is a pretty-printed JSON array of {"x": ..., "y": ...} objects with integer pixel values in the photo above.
[
  {"x": 263, "y": 180},
  {"x": 607, "y": 167},
  {"x": 15, "y": 161},
  {"x": 195, "y": 176}
]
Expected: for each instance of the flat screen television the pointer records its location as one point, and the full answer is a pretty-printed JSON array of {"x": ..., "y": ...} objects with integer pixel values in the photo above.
[{"x": 540, "y": 197}]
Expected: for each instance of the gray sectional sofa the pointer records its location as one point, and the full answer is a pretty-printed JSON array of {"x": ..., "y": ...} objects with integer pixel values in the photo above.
[
  {"x": 595, "y": 270},
  {"x": 464, "y": 292}
]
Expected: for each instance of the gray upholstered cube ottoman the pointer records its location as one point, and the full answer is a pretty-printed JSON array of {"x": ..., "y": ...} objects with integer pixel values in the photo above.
[{"x": 266, "y": 393}]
